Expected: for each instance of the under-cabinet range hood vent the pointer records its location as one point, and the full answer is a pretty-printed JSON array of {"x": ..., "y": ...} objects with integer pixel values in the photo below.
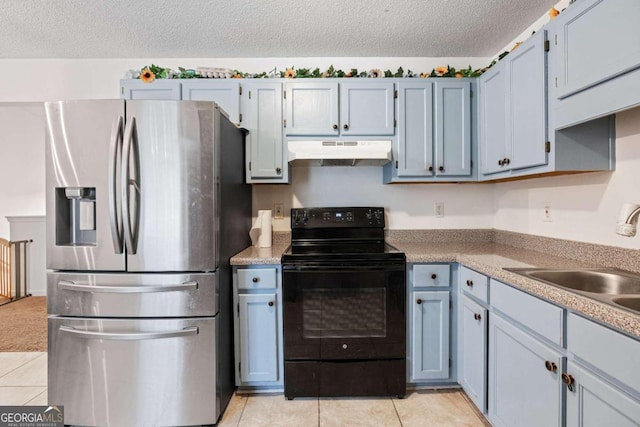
[{"x": 339, "y": 153}]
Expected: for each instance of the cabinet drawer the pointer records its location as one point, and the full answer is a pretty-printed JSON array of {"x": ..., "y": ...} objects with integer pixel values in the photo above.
[
  {"x": 535, "y": 314},
  {"x": 611, "y": 352},
  {"x": 431, "y": 275},
  {"x": 257, "y": 278},
  {"x": 474, "y": 283}
]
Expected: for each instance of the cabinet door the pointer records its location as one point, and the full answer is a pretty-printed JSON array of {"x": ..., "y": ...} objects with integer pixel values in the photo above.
[
  {"x": 258, "y": 337},
  {"x": 527, "y": 105},
  {"x": 159, "y": 89},
  {"x": 453, "y": 128},
  {"x": 415, "y": 132},
  {"x": 597, "y": 40},
  {"x": 596, "y": 403},
  {"x": 430, "y": 340},
  {"x": 522, "y": 392},
  {"x": 492, "y": 113},
  {"x": 473, "y": 324},
  {"x": 367, "y": 108},
  {"x": 225, "y": 93},
  {"x": 265, "y": 130},
  {"x": 311, "y": 109}
]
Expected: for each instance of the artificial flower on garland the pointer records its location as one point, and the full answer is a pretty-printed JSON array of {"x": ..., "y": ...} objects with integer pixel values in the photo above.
[{"x": 147, "y": 75}]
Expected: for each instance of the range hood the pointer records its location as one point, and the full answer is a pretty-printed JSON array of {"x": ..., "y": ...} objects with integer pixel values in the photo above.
[{"x": 339, "y": 153}]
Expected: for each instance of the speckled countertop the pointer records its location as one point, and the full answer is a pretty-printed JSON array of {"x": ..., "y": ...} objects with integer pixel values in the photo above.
[{"x": 478, "y": 251}]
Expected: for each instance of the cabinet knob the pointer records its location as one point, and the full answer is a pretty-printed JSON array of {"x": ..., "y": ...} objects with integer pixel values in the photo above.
[
  {"x": 551, "y": 367},
  {"x": 271, "y": 303},
  {"x": 255, "y": 279},
  {"x": 477, "y": 316},
  {"x": 507, "y": 161},
  {"x": 434, "y": 276},
  {"x": 500, "y": 162},
  {"x": 346, "y": 126},
  {"x": 441, "y": 168},
  {"x": 335, "y": 126},
  {"x": 567, "y": 379},
  {"x": 419, "y": 301},
  {"x": 278, "y": 171},
  {"x": 470, "y": 283},
  {"x": 430, "y": 168}
]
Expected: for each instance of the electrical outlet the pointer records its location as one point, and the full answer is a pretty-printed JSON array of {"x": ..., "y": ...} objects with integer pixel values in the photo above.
[
  {"x": 547, "y": 213},
  {"x": 439, "y": 209},
  {"x": 278, "y": 211}
]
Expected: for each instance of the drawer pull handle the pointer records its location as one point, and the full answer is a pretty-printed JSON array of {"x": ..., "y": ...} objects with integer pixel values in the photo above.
[
  {"x": 477, "y": 316},
  {"x": 551, "y": 367},
  {"x": 129, "y": 336},
  {"x": 434, "y": 276},
  {"x": 70, "y": 285},
  {"x": 419, "y": 301},
  {"x": 470, "y": 283},
  {"x": 255, "y": 279},
  {"x": 271, "y": 303}
]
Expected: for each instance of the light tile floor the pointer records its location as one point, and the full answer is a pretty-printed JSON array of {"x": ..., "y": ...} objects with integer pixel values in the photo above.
[{"x": 23, "y": 381}]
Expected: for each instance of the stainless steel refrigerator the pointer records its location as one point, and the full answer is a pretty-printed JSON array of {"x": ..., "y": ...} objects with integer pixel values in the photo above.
[{"x": 145, "y": 205}]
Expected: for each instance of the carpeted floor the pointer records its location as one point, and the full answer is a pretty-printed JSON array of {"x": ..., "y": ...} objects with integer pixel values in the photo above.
[{"x": 23, "y": 325}]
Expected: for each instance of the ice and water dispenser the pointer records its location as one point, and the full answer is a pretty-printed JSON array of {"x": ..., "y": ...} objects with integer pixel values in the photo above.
[{"x": 76, "y": 216}]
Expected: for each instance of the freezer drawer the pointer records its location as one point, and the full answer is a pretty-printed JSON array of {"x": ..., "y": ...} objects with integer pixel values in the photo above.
[
  {"x": 126, "y": 372},
  {"x": 132, "y": 295}
]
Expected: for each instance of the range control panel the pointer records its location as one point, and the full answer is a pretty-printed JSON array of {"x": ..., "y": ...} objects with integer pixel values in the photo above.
[{"x": 337, "y": 217}]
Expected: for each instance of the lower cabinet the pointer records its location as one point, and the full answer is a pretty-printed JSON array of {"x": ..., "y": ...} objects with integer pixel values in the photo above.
[
  {"x": 431, "y": 327},
  {"x": 593, "y": 402},
  {"x": 525, "y": 387},
  {"x": 430, "y": 337},
  {"x": 473, "y": 341},
  {"x": 258, "y": 327}
]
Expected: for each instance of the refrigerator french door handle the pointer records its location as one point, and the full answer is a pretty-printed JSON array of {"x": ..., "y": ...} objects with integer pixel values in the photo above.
[
  {"x": 130, "y": 136},
  {"x": 80, "y": 287},
  {"x": 129, "y": 336},
  {"x": 115, "y": 217}
]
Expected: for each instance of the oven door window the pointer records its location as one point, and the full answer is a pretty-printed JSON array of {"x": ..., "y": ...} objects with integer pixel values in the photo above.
[{"x": 344, "y": 312}]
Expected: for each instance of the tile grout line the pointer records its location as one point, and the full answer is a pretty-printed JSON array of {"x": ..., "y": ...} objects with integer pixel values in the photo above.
[
  {"x": 36, "y": 396},
  {"x": 18, "y": 367},
  {"x": 395, "y": 408},
  {"x": 242, "y": 412}
]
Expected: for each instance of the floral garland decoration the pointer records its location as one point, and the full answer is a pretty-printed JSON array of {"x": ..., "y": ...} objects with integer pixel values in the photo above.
[{"x": 149, "y": 73}]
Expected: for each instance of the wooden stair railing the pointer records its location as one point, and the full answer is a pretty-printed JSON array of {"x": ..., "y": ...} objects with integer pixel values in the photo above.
[{"x": 6, "y": 264}]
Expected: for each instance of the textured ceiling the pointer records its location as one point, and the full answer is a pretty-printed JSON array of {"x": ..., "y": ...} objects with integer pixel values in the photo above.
[{"x": 247, "y": 29}]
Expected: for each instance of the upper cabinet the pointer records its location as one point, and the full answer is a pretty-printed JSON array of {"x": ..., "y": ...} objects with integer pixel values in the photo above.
[
  {"x": 434, "y": 131},
  {"x": 362, "y": 108},
  {"x": 262, "y": 106},
  {"x": 224, "y": 92},
  {"x": 160, "y": 89},
  {"x": 596, "y": 60},
  {"x": 513, "y": 124}
]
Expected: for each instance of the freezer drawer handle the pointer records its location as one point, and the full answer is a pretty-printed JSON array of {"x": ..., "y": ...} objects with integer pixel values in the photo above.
[
  {"x": 130, "y": 336},
  {"x": 73, "y": 286}
]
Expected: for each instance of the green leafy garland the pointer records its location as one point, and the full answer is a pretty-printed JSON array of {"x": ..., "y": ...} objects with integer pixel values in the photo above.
[{"x": 151, "y": 72}]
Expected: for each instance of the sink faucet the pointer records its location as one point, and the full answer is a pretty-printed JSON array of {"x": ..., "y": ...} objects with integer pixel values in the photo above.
[{"x": 628, "y": 220}]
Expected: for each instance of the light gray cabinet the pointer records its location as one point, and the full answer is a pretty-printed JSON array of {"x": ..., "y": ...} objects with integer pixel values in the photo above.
[
  {"x": 513, "y": 133},
  {"x": 257, "y": 298},
  {"x": 429, "y": 323},
  {"x": 159, "y": 89},
  {"x": 434, "y": 131},
  {"x": 324, "y": 108},
  {"x": 596, "y": 60},
  {"x": 473, "y": 337},
  {"x": 265, "y": 159},
  {"x": 224, "y": 92}
]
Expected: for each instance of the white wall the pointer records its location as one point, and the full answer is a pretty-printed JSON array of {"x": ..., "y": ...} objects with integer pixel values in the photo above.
[
  {"x": 409, "y": 206},
  {"x": 21, "y": 161},
  {"x": 58, "y": 79},
  {"x": 584, "y": 207}
]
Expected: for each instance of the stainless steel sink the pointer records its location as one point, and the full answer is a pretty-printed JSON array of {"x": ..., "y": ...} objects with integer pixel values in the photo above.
[
  {"x": 632, "y": 303},
  {"x": 612, "y": 286}
]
